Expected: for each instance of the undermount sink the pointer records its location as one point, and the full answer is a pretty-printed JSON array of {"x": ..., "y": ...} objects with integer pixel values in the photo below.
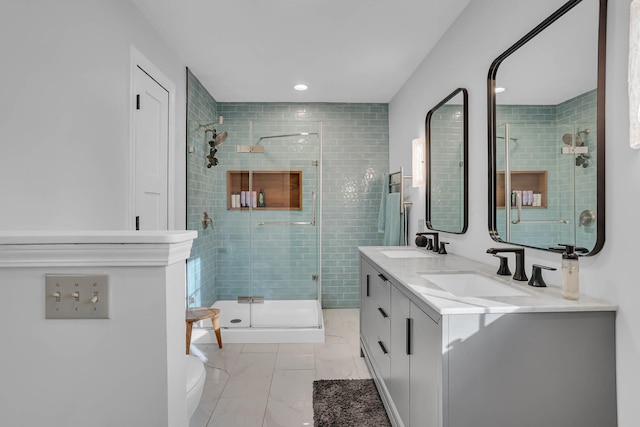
[
  {"x": 406, "y": 253},
  {"x": 472, "y": 285}
]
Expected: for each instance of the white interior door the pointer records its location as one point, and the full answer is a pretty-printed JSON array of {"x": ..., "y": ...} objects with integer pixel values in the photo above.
[{"x": 151, "y": 140}]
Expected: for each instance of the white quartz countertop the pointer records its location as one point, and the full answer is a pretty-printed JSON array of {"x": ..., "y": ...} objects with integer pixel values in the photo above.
[
  {"x": 407, "y": 266},
  {"x": 48, "y": 237}
]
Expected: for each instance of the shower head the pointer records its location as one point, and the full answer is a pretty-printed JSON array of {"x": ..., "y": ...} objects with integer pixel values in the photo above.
[
  {"x": 567, "y": 138},
  {"x": 580, "y": 139},
  {"x": 216, "y": 138}
]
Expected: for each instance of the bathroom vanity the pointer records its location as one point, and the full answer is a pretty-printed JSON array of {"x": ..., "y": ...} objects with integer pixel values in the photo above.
[{"x": 451, "y": 344}]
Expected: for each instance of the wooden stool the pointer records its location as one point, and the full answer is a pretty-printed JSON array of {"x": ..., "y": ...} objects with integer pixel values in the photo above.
[{"x": 199, "y": 313}]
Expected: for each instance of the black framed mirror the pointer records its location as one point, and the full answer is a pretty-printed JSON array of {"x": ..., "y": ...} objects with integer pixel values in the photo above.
[
  {"x": 546, "y": 99},
  {"x": 446, "y": 154}
]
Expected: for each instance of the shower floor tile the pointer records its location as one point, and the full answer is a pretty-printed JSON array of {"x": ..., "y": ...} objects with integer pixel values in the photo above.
[{"x": 269, "y": 384}]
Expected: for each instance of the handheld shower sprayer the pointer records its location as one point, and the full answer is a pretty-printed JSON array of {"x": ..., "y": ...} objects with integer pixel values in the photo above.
[{"x": 216, "y": 140}]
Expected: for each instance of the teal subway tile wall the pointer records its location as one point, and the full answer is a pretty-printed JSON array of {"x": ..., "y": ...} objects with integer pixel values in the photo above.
[
  {"x": 539, "y": 132},
  {"x": 233, "y": 257},
  {"x": 354, "y": 159},
  {"x": 447, "y": 140},
  {"x": 201, "y": 266}
]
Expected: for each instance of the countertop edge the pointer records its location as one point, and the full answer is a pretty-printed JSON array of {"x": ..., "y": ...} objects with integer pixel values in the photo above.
[{"x": 547, "y": 300}]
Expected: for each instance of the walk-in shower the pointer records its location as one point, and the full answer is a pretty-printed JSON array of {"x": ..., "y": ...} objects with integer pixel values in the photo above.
[{"x": 263, "y": 250}]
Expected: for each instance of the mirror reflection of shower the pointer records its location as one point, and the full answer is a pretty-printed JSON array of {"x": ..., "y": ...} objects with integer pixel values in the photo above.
[
  {"x": 577, "y": 144},
  {"x": 216, "y": 140},
  {"x": 580, "y": 137}
]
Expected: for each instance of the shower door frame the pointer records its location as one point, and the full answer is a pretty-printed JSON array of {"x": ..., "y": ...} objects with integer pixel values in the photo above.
[{"x": 314, "y": 216}]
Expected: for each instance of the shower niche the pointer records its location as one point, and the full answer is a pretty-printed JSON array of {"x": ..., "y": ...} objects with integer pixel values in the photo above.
[
  {"x": 282, "y": 189},
  {"x": 522, "y": 181}
]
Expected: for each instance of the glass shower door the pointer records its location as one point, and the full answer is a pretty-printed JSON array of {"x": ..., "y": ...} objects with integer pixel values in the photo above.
[
  {"x": 561, "y": 157},
  {"x": 284, "y": 189}
]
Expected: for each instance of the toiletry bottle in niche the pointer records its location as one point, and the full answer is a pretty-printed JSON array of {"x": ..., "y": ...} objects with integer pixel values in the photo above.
[
  {"x": 243, "y": 199},
  {"x": 570, "y": 273},
  {"x": 261, "y": 198},
  {"x": 254, "y": 199}
]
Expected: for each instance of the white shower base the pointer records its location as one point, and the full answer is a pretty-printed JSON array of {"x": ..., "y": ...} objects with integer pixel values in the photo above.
[{"x": 279, "y": 321}]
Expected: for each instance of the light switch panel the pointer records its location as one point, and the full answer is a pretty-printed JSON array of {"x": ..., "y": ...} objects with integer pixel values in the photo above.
[{"x": 69, "y": 296}]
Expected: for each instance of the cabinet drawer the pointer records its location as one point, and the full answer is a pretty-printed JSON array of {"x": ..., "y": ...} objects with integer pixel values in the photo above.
[
  {"x": 376, "y": 327},
  {"x": 381, "y": 357},
  {"x": 380, "y": 291}
]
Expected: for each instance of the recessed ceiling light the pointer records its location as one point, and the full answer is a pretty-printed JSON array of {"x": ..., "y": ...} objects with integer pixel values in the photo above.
[
  {"x": 300, "y": 87},
  {"x": 500, "y": 89}
]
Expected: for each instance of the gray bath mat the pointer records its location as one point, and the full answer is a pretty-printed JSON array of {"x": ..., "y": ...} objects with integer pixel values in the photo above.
[{"x": 348, "y": 403}]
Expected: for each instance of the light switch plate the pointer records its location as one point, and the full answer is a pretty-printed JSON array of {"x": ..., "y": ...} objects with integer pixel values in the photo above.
[{"x": 69, "y": 296}]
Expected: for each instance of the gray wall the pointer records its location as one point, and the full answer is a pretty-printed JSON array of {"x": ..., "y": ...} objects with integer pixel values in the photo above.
[
  {"x": 65, "y": 113},
  {"x": 462, "y": 59}
]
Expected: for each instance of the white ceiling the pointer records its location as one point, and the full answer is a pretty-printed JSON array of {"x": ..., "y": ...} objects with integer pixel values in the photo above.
[{"x": 344, "y": 50}]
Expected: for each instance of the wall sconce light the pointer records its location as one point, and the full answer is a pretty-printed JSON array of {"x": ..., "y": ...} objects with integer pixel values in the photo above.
[{"x": 418, "y": 167}]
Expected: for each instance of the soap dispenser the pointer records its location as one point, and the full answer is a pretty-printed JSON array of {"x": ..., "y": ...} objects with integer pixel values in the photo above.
[{"x": 570, "y": 280}]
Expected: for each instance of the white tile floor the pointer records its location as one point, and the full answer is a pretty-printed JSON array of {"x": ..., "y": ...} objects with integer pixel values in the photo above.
[{"x": 252, "y": 385}]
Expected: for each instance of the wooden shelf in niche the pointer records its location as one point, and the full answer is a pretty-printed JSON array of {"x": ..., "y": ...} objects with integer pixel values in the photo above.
[
  {"x": 282, "y": 189},
  {"x": 521, "y": 181}
]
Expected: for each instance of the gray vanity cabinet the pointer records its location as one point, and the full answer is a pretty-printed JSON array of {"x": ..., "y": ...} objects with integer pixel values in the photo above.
[
  {"x": 482, "y": 369},
  {"x": 403, "y": 345}
]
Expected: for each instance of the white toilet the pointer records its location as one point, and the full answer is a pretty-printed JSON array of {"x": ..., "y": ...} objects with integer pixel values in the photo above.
[{"x": 196, "y": 376}]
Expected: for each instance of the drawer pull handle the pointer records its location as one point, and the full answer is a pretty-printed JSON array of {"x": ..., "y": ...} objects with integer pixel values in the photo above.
[
  {"x": 384, "y": 314},
  {"x": 368, "y": 285},
  {"x": 381, "y": 276},
  {"x": 408, "y": 336},
  {"x": 382, "y": 347}
]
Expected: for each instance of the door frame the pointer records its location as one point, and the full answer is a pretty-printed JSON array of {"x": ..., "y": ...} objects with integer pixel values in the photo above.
[{"x": 138, "y": 60}]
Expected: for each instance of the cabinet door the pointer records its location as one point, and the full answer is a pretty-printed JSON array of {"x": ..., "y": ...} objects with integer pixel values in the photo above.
[
  {"x": 425, "y": 383},
  {"x": 399, "y": 378}
]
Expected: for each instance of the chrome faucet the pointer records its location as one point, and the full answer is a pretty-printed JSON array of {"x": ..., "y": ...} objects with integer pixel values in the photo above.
[{"x": 520, "y": 274}]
